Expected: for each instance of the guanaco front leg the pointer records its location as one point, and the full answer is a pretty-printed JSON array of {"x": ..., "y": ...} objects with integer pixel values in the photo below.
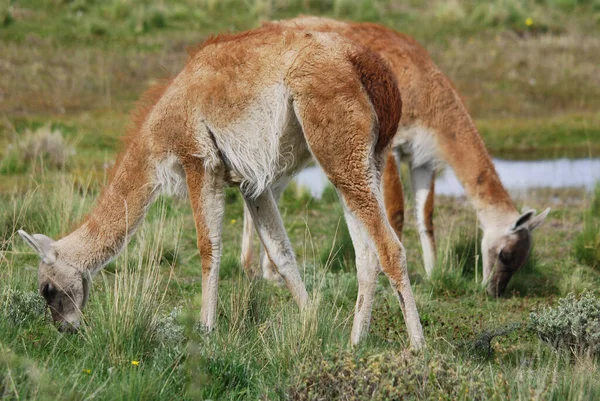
[
  {"x": 423, "y": 181},
  {"x": 273, "y": 236},
  {"x": 247, "y": 254},
  {"x": 207, "y": 198}
]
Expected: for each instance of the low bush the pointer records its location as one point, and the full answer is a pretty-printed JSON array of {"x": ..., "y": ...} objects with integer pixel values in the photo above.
[
  {"x": 22, "y": 306},
  {"x": 389, "y": 376},
  {"x": 573, "y": 324},
  {"x": 169, "y": 330},
  {"x": 45, "y": 145}
]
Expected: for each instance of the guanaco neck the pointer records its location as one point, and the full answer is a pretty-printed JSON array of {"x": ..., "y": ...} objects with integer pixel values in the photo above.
[
  {"x": 465, "y": 152},
  {"x": 118, "y": 212}
]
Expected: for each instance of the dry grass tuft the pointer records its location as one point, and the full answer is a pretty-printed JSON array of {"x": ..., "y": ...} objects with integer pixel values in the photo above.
[{"x": 45, "y": 145}]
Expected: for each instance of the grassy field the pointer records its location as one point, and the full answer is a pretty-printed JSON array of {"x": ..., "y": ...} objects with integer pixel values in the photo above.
[
  {"x": 70, "y": 71},
  {"x": 140, "y": 340}
]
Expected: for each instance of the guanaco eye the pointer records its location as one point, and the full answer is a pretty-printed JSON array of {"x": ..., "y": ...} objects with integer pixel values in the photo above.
[
  {"x": 505, "y": 257},
  {"x": 48, "y": 292}
]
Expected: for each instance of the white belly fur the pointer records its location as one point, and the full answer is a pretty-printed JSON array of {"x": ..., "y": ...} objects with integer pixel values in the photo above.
[
  {"x": 417, "y": 146},
  {"x": 265, "y": 145}
]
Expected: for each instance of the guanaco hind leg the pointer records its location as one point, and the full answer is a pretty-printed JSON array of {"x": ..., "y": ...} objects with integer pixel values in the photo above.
[{"x": 347, "y": 159}]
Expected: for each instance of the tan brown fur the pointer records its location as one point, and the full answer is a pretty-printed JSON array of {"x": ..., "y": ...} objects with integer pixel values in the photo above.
[
  {"x": 240, "y": 105},
  {"x": 339, "y": 157},
  {"x": 228, "y": 62},
  {"x": 429, "y": 213},
  {"x": 428, "y": 97},
  {"x": 431, "y": 104},
  {"x": 195, "y": 176},
  {"x": 225, "y": 37},
  {"x": 393, "y": 195},
  {"x": 383, "y": 93}
]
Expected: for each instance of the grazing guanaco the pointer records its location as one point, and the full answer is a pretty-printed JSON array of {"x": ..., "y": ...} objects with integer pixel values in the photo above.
[
  {"x": 249, "y": 110},
  {"x": 435, "y": 129}
]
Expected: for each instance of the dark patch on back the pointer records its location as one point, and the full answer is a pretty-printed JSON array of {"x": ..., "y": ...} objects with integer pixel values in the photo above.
[{"x": 382, "y": 89}]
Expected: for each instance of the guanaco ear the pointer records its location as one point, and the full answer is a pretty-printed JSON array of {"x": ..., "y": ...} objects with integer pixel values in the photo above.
[
  {"x": 537, "y": 220},
  {"x": 522, "y": 220},
  {"x": 528, "y": 221},
  {"x": 41, "y": 244}
]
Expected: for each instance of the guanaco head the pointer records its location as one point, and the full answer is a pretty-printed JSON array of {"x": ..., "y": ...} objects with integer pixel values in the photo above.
[
  {"x": 505, "y": 251},
  {"x": 64, "y": 287}
]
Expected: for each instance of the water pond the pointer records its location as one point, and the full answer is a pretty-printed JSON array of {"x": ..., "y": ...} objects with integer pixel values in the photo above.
[{"x": 516, "y": 175}]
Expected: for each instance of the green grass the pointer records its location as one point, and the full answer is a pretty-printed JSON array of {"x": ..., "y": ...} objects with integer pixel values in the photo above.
[
  {"x": 127, "y": 20},
  {"x": 534, "y": 138},
  {"x": 587, "y": 242},
  {"x": 263, "y": 346},
  {"x": 595, "y": 204}
]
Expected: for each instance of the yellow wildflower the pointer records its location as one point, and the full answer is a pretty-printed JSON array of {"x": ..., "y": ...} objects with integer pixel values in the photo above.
[
  {"x": 529, "y": 21},
  {"x": 233, "y": 221},
  {"x": 88, "y": 371},
  {"x": 135, "y": 363}
]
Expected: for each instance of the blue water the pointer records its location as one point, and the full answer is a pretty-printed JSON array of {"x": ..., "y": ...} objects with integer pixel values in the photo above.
[{"x": 515, "y": 175}]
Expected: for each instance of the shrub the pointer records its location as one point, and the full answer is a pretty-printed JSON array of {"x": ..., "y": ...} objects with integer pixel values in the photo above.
[
  {"x": 45, "y": 144},
  {"x": 573, "y": 324},
  {"x": 388, "y": 376},
  {"x": 6, "y": 17},
  {"x": 168, "y": 330},
  {"x": 98, "y": 27},
  {"x": 23, "y": 306}
]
